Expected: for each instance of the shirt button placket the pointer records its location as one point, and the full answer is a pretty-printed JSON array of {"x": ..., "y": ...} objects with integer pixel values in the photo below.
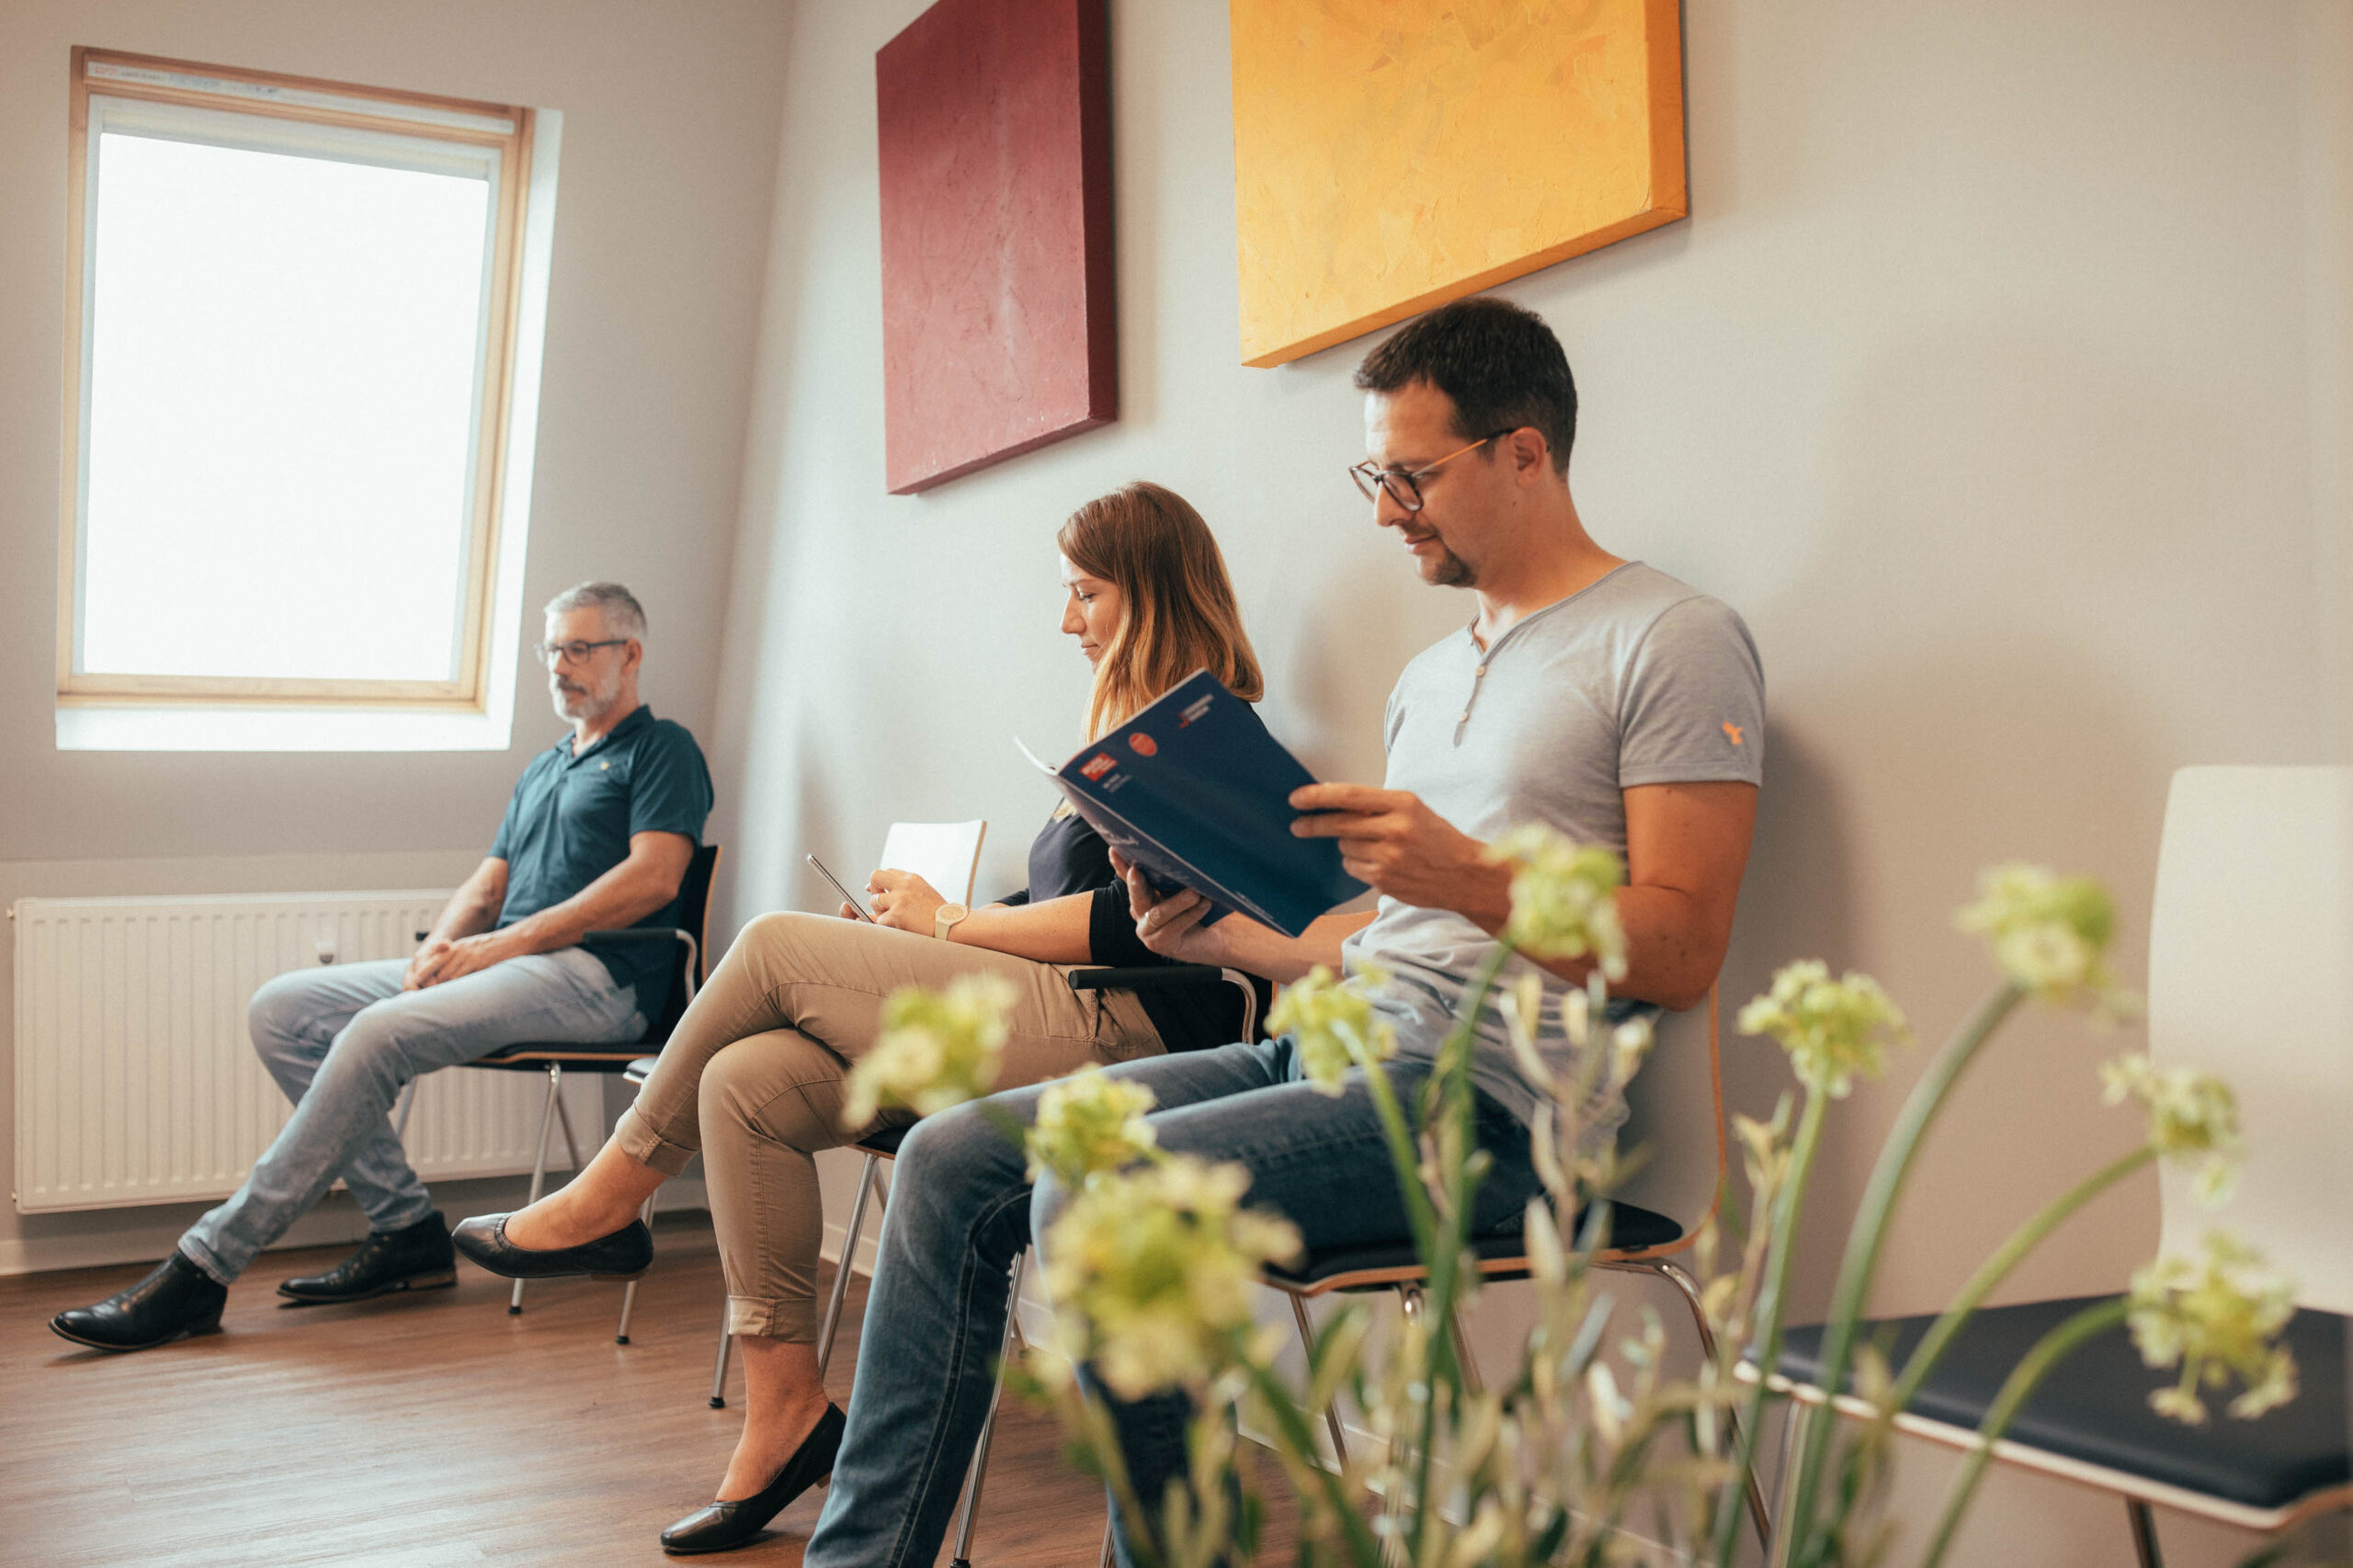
[{"x": 1477, "y": 674}]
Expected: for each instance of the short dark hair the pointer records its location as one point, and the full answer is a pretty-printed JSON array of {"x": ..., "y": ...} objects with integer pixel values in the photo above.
[{"x": 1500, "y": 364}]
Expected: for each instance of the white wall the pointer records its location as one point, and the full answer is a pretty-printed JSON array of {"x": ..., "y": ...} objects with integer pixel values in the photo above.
[
  {"x": 668, "y": 175},
  {"x": 1981, "y": 382}
]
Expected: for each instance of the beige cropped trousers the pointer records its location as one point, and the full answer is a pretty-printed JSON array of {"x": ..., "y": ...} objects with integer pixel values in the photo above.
[{"x": 755, "y": 1075}]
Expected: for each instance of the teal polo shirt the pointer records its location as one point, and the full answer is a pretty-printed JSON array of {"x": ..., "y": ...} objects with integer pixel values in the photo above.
[{"x": 570, "y": 821}]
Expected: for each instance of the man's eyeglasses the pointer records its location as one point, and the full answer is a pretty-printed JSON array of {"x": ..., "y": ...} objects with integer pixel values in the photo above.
[
  {"x": 1403, "y": 484},
  {"x": 572, "y": 653}
]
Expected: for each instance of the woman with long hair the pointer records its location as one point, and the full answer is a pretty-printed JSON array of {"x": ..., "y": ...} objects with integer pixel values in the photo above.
[{"x": 754, "y": 1077}]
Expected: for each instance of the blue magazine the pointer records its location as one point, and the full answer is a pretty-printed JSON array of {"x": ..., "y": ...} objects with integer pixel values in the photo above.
[{"x": 1197, "y": 793}]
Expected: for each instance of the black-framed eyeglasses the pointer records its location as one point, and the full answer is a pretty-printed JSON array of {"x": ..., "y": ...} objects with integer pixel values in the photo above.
[
  {"x": 1404, "y": 484},
  {"x": 572, "y": 653}
]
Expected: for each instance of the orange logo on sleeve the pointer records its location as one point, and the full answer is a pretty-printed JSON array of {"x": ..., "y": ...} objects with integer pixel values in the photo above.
[{"x": 1734, "y": 731}]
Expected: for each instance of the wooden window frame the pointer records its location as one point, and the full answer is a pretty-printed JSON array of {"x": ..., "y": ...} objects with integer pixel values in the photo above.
[{"x": 505, "y": 128}]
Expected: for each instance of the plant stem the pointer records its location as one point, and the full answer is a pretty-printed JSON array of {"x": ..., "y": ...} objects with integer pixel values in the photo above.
[
  {"x": 1420, "y": 1213},
  {"x": 1443, "y": 1263},
  {"x": 1787, "y": 1204},
  {"x": 2048, "y": 1351},
  {"x": 1923, "y": 1357},
  {"x": 1870, "y": 1231}
]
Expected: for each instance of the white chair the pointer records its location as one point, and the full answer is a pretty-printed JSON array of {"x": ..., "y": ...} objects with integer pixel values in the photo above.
[{"x": 2250, "y": 977}]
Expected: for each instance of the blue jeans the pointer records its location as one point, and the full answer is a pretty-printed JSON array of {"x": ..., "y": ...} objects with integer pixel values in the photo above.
[
  {"x": 342, "y": 1041},
  {"x": 961, "y": 1210}
]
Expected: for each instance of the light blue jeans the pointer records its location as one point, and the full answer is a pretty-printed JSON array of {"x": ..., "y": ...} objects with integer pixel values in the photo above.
[
  {"x": 342, "y": 1041},
  {"x": 960, "y": 1208}
]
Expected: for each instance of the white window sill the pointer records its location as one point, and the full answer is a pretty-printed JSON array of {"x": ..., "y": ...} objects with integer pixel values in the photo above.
[{"x": 194, "y": 728}]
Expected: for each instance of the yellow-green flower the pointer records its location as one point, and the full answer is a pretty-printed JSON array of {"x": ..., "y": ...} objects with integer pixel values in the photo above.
[
  {"x": 2218, "y": 1316},
  {"x": 1562, "y": 903},
  {"x": 1153, "y": 1271},
  {"x": 2048, "y": 933},
  {"x": 1333, "y": 1023},
  {"x": 2193, "y": 1116},
  {"x": 1088, "y": 1122},
  {"x": 936, "y": 1049},
  {"x": 1832, "y": 1028}
]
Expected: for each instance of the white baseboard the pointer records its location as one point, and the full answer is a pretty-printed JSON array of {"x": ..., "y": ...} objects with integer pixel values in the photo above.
[
  {"x": 323, "y": 1226},
  {"x": 104, "y": 1238}
]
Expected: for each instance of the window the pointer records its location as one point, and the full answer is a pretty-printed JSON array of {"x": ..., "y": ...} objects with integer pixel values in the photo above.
[{"x": 293, "y": 316}]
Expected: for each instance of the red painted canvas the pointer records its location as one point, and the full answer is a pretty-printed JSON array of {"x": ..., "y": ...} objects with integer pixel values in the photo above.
[{"x": 996, "y": 140}]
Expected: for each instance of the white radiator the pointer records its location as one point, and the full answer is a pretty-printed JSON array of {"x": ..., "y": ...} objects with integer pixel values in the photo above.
[{"x": 137, "y": 1083}]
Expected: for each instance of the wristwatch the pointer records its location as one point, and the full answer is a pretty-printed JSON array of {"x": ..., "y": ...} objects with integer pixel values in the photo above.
[{"x": 944, "y": 920}]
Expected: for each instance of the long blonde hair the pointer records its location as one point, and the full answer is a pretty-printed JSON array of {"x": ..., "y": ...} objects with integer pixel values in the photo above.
[{"x": 1177, "y": 610}]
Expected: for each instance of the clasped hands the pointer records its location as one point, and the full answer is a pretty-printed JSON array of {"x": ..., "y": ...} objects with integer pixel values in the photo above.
[
  {"x": 443, "y": 959},
  {"x": 1389, "y": 839}
]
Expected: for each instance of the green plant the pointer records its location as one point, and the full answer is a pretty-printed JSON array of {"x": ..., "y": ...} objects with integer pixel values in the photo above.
[{"x": 1587, "y": 1451}]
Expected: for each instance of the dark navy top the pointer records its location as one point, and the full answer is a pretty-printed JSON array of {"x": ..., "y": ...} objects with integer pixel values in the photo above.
[
  {"x": 570, "y": 821},
  {"x": 1067, "y": 857}
]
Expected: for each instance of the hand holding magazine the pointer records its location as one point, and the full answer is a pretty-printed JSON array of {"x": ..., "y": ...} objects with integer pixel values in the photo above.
[{"x": 1196, "y": 791}]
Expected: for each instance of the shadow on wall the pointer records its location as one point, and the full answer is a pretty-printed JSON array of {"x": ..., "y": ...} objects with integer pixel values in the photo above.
[{"x": 2034, "y": 752}]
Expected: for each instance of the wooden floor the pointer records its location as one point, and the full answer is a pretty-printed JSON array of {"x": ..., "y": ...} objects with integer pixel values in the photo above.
[{"x": 427, "y": 1430}]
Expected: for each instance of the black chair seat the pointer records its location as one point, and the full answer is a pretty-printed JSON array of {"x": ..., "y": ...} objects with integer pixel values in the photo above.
[
  {"x": 884, "y": 1142},
  {"x": 2094, "y": 1405},
  {"x": 1630, "y": 1228},
  {"x": 533, "y": 1056}
]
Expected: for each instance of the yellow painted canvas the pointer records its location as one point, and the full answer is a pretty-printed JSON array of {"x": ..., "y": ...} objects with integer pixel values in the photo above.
[{"x": 1393, "y": 154}]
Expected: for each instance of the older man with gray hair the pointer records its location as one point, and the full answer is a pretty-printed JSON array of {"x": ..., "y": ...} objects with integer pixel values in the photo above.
[{"x": 598, "y": 836}]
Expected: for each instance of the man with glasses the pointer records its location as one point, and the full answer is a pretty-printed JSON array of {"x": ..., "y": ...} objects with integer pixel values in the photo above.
[
  {"x": 1588, "y": 692},
  {"x": 598, "y": 836}
]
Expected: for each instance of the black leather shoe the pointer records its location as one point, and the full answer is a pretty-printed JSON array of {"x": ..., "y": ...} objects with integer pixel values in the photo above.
[
  {"x": 175, "y": 1300},
  {"x": 624, "y": 1254},
  {"x": 723, "y": 1526},
  {"x": 417, "y": 1257}
]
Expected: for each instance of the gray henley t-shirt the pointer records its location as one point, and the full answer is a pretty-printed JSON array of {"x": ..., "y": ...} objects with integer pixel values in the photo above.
[{"x": 1636, "y": 680}]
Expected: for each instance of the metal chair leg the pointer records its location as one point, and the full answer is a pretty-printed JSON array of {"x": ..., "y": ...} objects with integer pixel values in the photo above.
[
  {"x": 563, "y": 1117},
  {"x": 1109, "y": 1560},
  {"x": 971, "y": 1509},
  {"x": 401, "y": 1110},
  {"x": 867, "y": 1176},
  {"x": 2144, "y": 1533},
  {"x": 538, "y": 1173},
  {"x": 629, "y": 1296},
  {"x": 719, "y": 1372},
  {"x": 1688, "y": 1288},
  {"x": 1332, "y": 1410}
]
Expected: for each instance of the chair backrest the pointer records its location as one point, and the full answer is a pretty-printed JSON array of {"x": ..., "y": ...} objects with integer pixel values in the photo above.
[
  {"x": 694, "y": 918},
  {"x": 1683, "y": 1147},
  {"x": 2251, "y": 978},
  {"x": 945, "y": 854}
]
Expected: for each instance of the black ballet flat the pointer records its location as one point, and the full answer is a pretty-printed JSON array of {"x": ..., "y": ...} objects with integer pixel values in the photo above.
[
  {"x": 724, "y": 1526},
  {"x": 624, "y": 1254}
]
